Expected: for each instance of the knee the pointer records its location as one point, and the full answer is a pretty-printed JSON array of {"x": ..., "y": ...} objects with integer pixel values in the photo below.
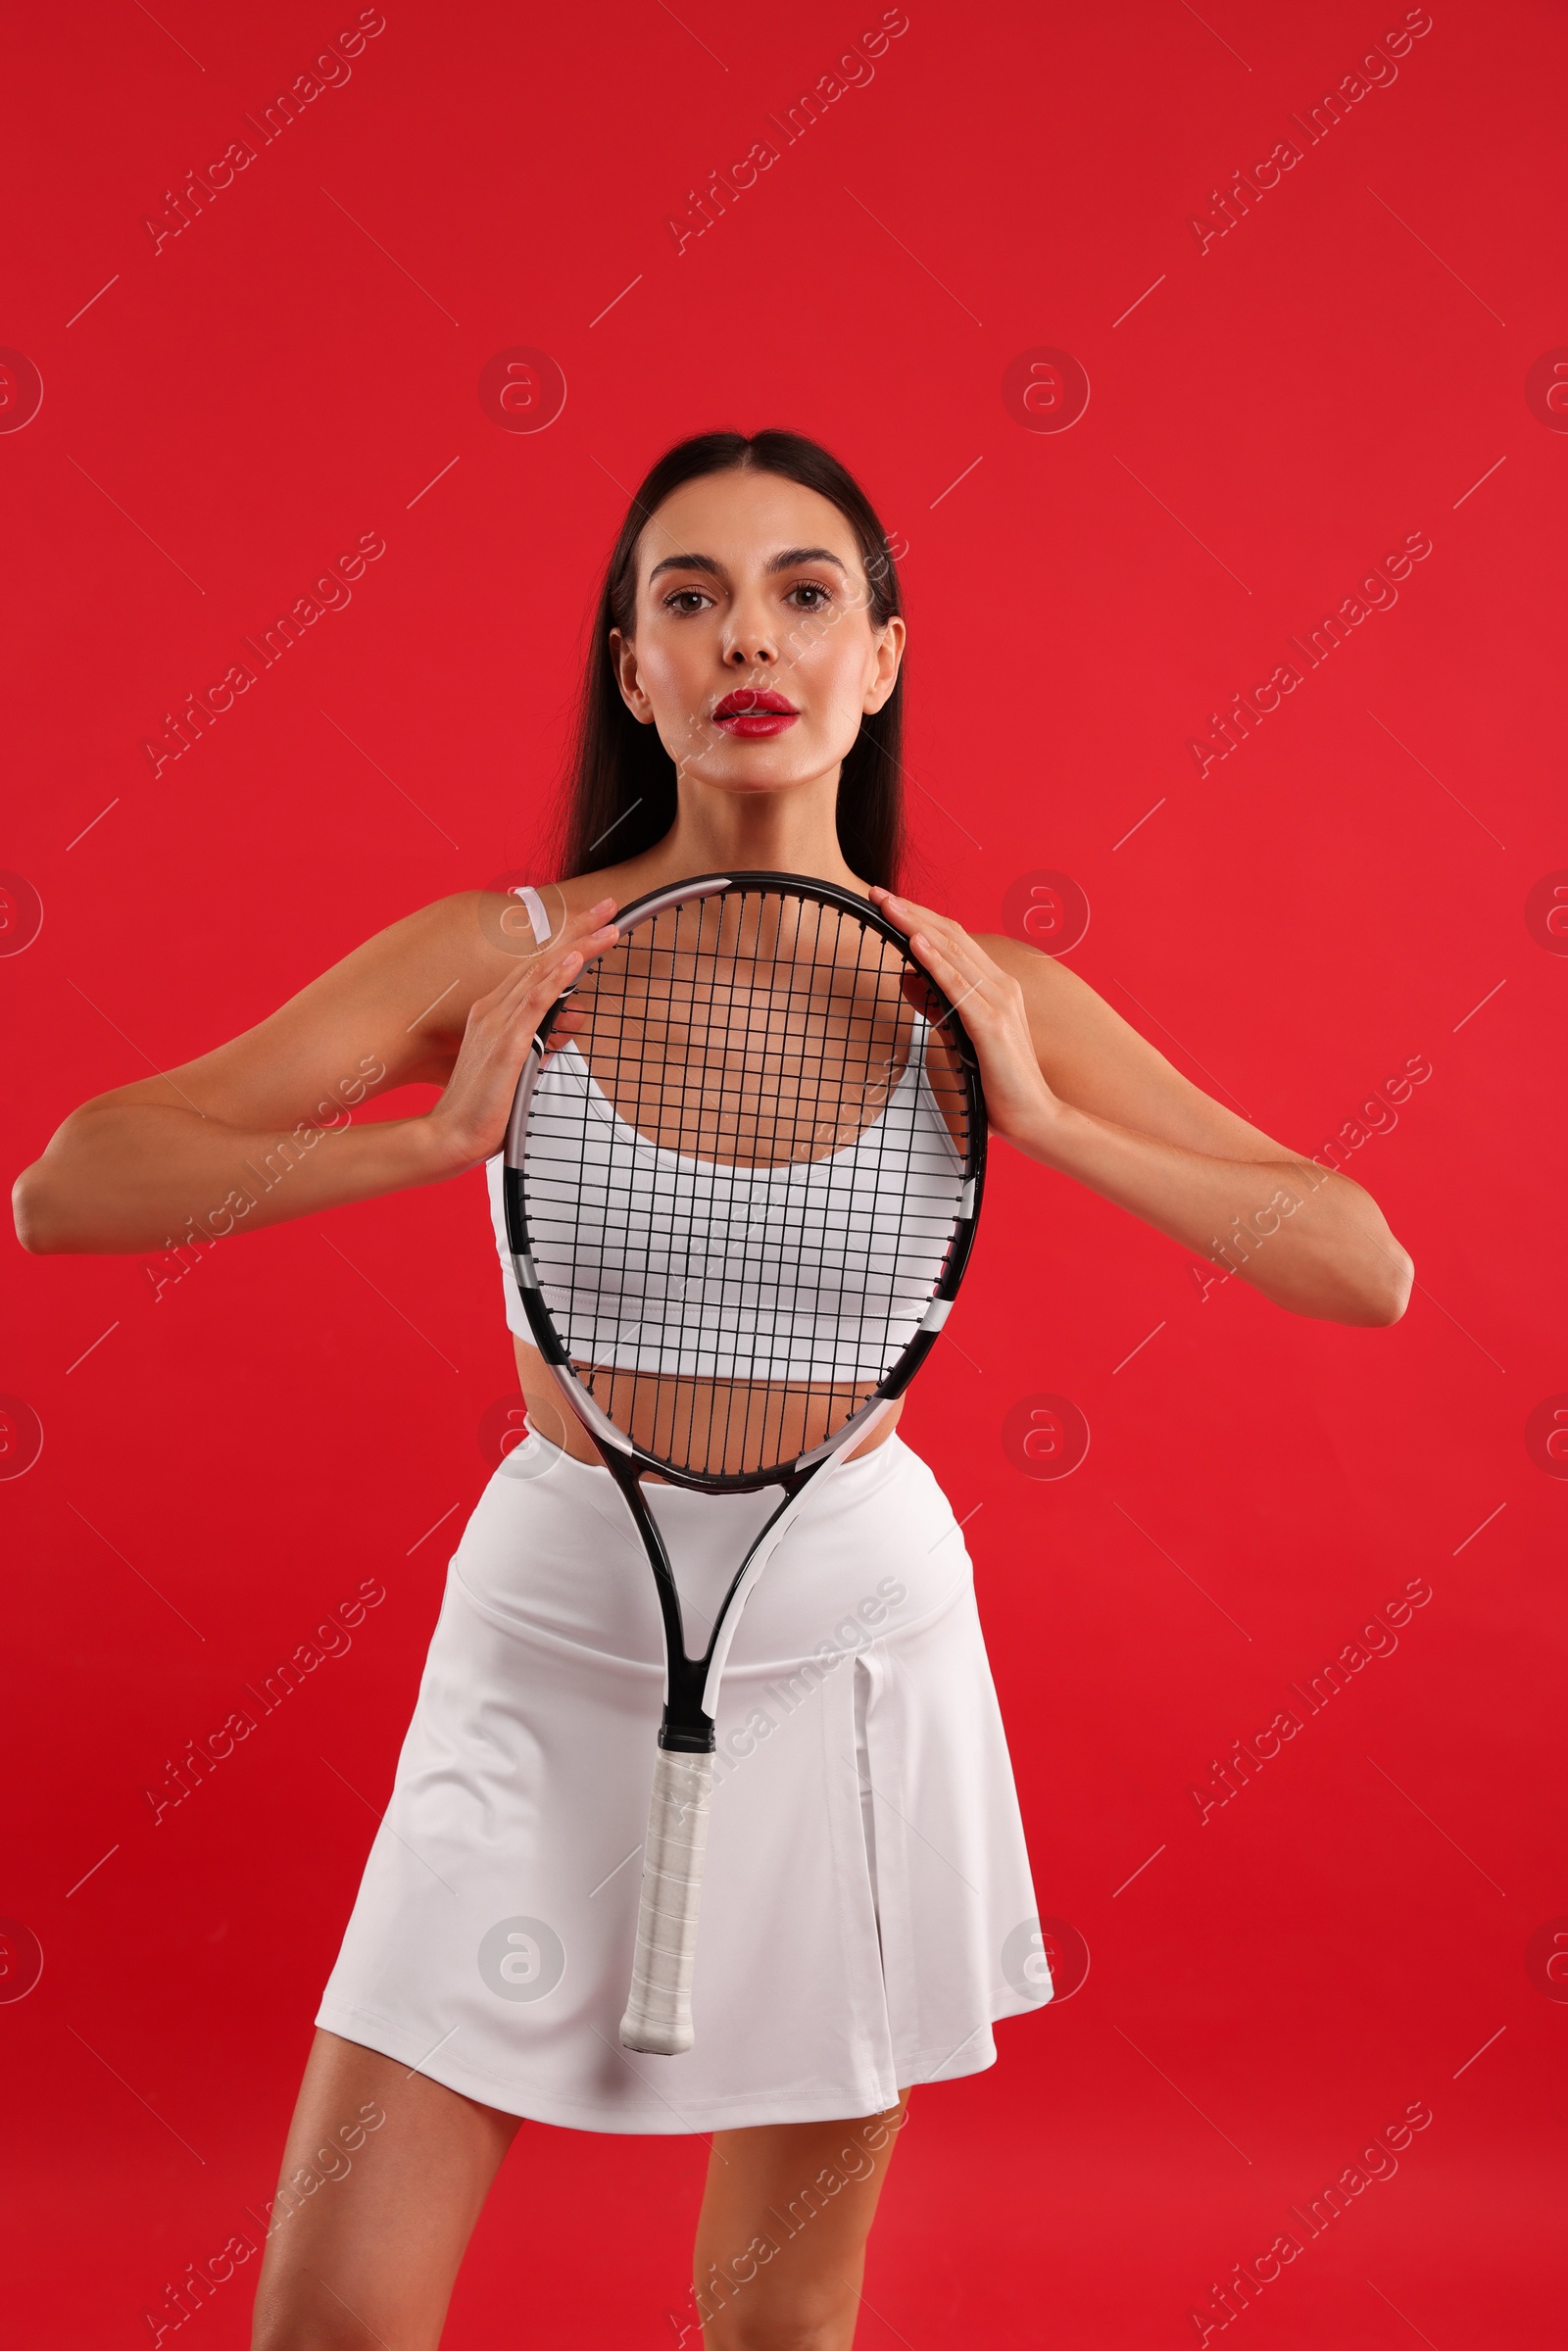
[
  {"x": 295, "y": 2322},
  {"x": 294, "y": 2332},
  {"x": 796, "y": 2333},
  {"x": 811, "y": 2320}
]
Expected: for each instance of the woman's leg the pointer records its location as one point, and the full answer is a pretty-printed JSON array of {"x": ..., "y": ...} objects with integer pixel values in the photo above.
[
  {"x": 781, "y": 2240},
  {"x": 383, "y": 2178}
]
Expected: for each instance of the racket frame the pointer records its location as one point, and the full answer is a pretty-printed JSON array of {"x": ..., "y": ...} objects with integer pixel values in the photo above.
[{"x": 691, "y": 1683}]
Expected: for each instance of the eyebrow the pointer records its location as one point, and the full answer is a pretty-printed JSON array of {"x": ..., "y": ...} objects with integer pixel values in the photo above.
[{"x": 787, "y": 562}]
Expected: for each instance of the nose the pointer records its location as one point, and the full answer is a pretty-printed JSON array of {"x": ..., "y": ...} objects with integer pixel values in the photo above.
[
  {"x": 750, "y": 641},
  {"x": 747, "y": 650}
]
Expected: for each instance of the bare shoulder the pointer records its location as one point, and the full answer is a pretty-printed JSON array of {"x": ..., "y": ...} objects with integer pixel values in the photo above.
[
  {"x": 389, "y": 1012},
  {"x": 633, "y": 878},
  {"x": 1096, "y": 1060},
  {"x": 462, "y": 946},
  {"x": 434, "y": 965},
  {"x": 1047, "y": 984}
]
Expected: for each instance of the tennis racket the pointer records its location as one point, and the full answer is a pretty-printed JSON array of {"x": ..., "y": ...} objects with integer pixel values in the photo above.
[{"x": 743, "y": 1172}]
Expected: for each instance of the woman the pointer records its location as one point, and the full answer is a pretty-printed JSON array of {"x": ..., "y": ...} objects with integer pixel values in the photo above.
[{"x": 742, "y": 712}]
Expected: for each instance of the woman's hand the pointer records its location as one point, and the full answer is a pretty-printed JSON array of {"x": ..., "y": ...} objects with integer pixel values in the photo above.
[
  {"x": 990, "y": 1003},
  {"x": 1116, "y": 1117},
  {"x": 468, "y": 1123}
]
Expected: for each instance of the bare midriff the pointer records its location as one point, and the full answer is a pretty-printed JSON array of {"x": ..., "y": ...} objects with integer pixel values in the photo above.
[{"x": 552, "y": 1417}]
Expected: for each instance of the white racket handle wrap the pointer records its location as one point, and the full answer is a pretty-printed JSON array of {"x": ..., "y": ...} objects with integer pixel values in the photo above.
[{"x": 658, "y": 2013}]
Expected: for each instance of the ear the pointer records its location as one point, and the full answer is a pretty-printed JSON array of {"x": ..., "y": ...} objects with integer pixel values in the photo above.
[
  {"x": 623, "y": 660},
  {"x": 887, "y": 653}
]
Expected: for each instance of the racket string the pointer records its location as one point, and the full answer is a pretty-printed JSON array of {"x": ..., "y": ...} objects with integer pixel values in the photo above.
[{"x": 732, "y": 1275}]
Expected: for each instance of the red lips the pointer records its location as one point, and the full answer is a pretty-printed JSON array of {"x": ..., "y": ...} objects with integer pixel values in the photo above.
[{"x": 753, "y": 711}]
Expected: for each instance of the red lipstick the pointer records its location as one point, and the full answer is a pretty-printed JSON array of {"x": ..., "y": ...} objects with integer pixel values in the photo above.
[{"x": 753, "y": 712}]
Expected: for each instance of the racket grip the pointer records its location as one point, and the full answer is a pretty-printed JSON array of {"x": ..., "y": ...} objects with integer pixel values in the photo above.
[{"x": 659, "y": 2012}]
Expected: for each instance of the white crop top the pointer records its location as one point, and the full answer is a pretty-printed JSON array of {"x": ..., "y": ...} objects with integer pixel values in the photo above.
[{"x": 685, "y": 1268}]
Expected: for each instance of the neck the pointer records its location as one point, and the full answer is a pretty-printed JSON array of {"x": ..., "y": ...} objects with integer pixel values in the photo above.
[{"x": 793, "y": 830}]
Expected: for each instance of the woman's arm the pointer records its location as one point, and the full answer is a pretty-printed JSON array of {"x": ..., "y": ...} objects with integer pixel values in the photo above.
[
  {"x": 261, "y": 1130},
  {"x": 1072, "y": 1085}
]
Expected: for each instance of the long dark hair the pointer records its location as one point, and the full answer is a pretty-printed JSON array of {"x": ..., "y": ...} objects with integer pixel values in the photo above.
[{"x": 620, "y": 797}]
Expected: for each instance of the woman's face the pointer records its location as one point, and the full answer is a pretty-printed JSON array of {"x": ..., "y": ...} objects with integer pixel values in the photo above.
[{"x": 753, "y": 652}]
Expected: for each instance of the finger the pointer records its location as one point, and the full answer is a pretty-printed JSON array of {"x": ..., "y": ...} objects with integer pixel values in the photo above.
[
  {"x": 966, "y": 955},
  {"x": 528, "y": 946},
  {"x": 591, "y": 918},
  {"x": 535, "y": 983},
  {"x": 946, "y": 957},
  {"x": 532, "y": 981},
  {"x": 589, "y": 930},
  {"x": 964, "y": 988},
  {"x": 925, "y": 919},
  {"x": 554, "y": 978},
  {"x": 903, "y": 911},
  {"x": 545, "y": 971},
  {"x": 589, "y": 933},
  {"x": 909, "y": 912},
  {"x": 568, "y": 1021}
]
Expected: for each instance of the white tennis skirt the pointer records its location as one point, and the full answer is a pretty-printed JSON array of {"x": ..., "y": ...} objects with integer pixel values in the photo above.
[{"x": 867, "y": 1912}]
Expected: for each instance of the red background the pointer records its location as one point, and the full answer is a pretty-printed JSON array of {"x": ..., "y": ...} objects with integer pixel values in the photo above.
[{"x": 1342, "y": 892}]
